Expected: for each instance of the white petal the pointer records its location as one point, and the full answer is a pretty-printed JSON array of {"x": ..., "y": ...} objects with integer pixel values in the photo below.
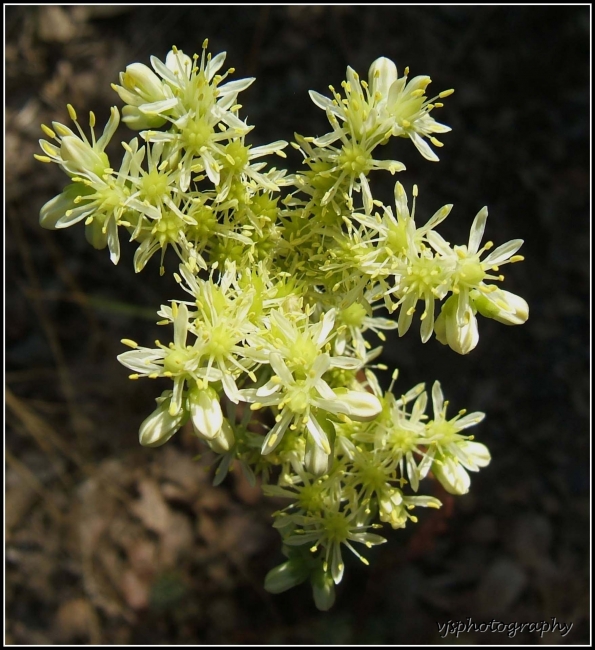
[
  {"x": 142, "y": 360},
  {"x": 214, "y": 65},
  {"x": 427, "y": 324},
  {"x": 267, "y": 149},
  {"x": 181, "y": 325},
  {"x": 230, "y": 387},
  {"x": 281, "y": 369},
  {"x": 325, "y": 391},
  {"x": 110, "y": 128},
  {"x": 112, "y": 240},
  {"x": 438, "y": 217},
  {"x": 320, "y": 437},
  {"x": 439, "y": 244},
  {"x": 235, "y": 87},
  {"x": 437, "y": 399},
  {"x": 502, "y": 253},
  {"x": 423, "y": 147},
  {"x": 323, "y": 102},
  {"x": 477, "y": 229},
  {"x": 275, "y": 435},
  {"x": 470, "y": 420},
  {"x": 320, "y": 365},
  {"x": 162, "y": 70},
  {"x": 268, "y": 389},
  {"x": 156, "y": 108}
]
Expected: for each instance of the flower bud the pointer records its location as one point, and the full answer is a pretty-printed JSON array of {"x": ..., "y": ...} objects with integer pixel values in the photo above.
[
  {"x": 142, "y": 81},
  {"x": 461, "y": 339},
  {"x": 286, "y": 575},
  {"x": 135, "y": 119},
  {"x": 315, "y": 459},
  {"x": 224, "y": 440},
  {"x": 452, "y": 476},
  {"x": 476, "y": 455},
  {"x": 358, "y": 405},
  {"x": 503, "y": 306},
  {"x": 205, "y": 412},
  {"x": 160, "y": 426},
  {"x": 323, "y": 589}
]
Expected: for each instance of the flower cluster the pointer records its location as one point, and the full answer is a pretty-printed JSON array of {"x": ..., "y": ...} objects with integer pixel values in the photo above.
[{"x": 269, "y": 358}]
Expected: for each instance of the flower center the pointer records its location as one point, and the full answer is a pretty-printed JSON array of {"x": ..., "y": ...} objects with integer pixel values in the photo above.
[
  {"x": 154, "y": 186},
  {"x": 196, "y": 134}
]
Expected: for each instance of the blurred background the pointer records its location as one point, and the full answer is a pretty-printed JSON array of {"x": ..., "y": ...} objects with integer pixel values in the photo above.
[{"x": 109, "y": 543}]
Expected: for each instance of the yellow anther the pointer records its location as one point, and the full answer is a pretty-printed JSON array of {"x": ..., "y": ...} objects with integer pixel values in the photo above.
[
  {"x": 48, "y": 131},
  {"x": 61, "y": 129},
  {"x": 92, "y": 119},
  {"x": 256, "y": 406},
  {"x": 130, "y": 343},
  {"x": 516, "y": 258},
  {"x": 44, "y": 159},
  {"x": 71, "y": 112},
  {"x": 133, "y": 376},
  {"x": 446, "y": 93}
]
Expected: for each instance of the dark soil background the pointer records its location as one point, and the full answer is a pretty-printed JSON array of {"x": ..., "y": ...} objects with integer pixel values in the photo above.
[{"x": 109, "y": 543}]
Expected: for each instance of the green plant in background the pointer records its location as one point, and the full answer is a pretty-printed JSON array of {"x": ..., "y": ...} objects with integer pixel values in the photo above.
[{"x": 270, "y": 360}]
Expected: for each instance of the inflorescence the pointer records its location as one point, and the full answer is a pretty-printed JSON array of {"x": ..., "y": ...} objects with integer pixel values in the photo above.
[{"x": 270, "y": 360}]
